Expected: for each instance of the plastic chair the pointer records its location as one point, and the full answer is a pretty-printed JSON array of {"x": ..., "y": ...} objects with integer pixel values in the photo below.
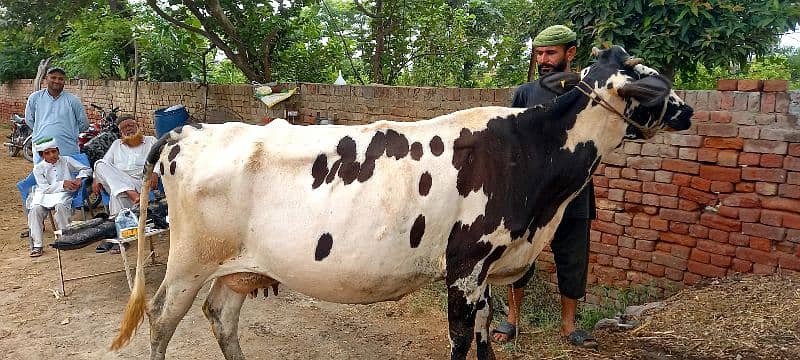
[{"x": 24, "y": 186}]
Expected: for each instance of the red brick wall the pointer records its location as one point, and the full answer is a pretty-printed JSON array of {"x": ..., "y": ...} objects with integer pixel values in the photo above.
[{"x": 719, "y": 198}]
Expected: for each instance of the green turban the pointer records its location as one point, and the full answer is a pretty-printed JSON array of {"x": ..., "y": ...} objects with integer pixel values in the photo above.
[{"x": 554, "y": 35}]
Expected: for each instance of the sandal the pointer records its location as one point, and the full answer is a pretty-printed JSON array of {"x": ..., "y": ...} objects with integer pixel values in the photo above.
[
  {"x": 506, "y": 328},
  {"x": 581, "y": 338},
  {"x": 36, "y": 252},
  {"x": 103, "y": 247}
]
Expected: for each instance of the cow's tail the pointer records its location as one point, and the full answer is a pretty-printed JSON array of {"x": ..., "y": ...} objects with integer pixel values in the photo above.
[{"x": 134, "y": 311}]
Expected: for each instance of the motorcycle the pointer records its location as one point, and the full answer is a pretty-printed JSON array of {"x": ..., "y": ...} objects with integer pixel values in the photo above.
[
  {"x": 20, "y": 138},
  {"x": 96, "y": 141}
]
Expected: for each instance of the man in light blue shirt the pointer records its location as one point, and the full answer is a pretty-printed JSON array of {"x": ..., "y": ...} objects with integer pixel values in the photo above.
[{"x": 55, "y": 113}]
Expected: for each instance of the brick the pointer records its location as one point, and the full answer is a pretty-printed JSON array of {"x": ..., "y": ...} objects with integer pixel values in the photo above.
[
  {"x": 688, "y": 205},
  {"x": 754, "y": 102},
  {"x": 603, "y": 259},
  {"x": 708, "y": 155},
  {"x": 700, "y": 197},
  {"x": 634, "y": 254},
  {"x": 714, "y": 221},
  {"x": 771, "y": 217},
  {"x": 750, "y": 85},
  {"x": 642, "y": 234},
  {"x": 718, "y": 235},
  {"x": 641, "y": 221},
  {"x": 679, "y": 215},
  {"x": 739, "y": 239},
  {"x": 612, "y": 172},
  {"x": 793, "y": 178},
  {"x": 633, "y": 197},
  {"x": 723, "y": 143},
  {"x": 746, "y": 158},
  {"x": 681, "y": 166},
  {"x": 785, "y": 247},
  {"x": 764, "y": 119},
  {"x": 741, "y": 200},
  {"x": 668, "y": 260},
  {"x": 682, "y": 179},
  {"x": 740, "y": 101},
  {"x": 632, "y": 148},
  {"x": 768, "y": 189},
  {"x": 687, "y": 153},
  {"x": 765, "y": 231},
  {"x": 775, "y": 86},
  {"x": 721, "y": 187},
  {"x": 790, "y": 163},
  {"x": 728, "y": 211},
  {"x": 712, "y": 172},
  {"x": 772, "y": 161},
  {"x": 691, "y": 279},
  {"x": 720, "y": 116},
  {"x": 781, "y": 204},
  {"x": 621, "y": 263},
  {"x": 765, "y": 146},
  {"x": 616, "y": 194},
  {"x": 623, "y": 219},
  {"x": 761, "y": 174},
  {"x": 760, "y": 243},
  {"x": 743, "y": 118},
  {"x": 749, "y": 215},
  {"x": 677, "y": 228},
  {"x": 607, "y": 227},
  {"x": 701, "y": 184},
  {"x": 791, "y": 135},
  {"x": 672, "y": 274},
  {"x": 660, "y": 188},
  {"x": 698, "y": 231},
  {"x": 668, "y": 202},
  {"x": 627, "y": 242},
  {"x": 791, "y": 221},
  {"x": 741, "y": 266},
  {"x": 650, "y": 199},
  {"x": 608, "y": 239},
  {"x": 768, "y": 103},
  {"x": 645, "y": 175},
  {"x": 645, "y": 245},
  {"x": 760, "y": 269},
  {"x": 706, "y": 270},
  {"x": 647, "y": 163},
  {"x": 628, "y": 173},
  {"x": 700, "y": 256},
  {"x": 664, "y": 176},
  {"x": 794, "y": 149},
  {"x": 727, "y": 84},
  {"x": 679, "y": 239},
  {"x": 749, "y": 132},
  {"x": 680, "y": 251},
  {"x": 603, "y": 248},
  {"x": 728, "y": 158},
  {"x": 605, "y": 215},
  {"x": 625, "y": 184},
  {"x": 655, "y": 270},
  {"x": 659, "y": 224},
  {"x": 781, "y": 102},
  {"x": 791, "y": 262},
  {"x": 714, "y": 247}
]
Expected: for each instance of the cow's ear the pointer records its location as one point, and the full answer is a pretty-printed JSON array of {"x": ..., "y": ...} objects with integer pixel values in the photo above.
[{"x": 650, "y": 91}]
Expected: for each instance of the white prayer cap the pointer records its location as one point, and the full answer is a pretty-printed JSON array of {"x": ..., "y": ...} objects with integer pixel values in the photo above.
[{"x": 45, "y": 144}]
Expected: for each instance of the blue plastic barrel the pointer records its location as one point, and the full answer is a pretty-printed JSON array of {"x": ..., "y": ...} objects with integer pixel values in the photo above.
[{"x": 169, "y": 118}]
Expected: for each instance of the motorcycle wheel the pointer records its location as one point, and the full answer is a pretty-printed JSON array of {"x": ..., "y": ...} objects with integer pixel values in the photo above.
[
  {"x": 27, "y": 151},
  {"x": 12, "y": 150}
]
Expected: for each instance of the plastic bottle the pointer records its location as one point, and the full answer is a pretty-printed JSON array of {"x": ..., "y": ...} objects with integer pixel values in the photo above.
[{"x": 127, "y": 223}]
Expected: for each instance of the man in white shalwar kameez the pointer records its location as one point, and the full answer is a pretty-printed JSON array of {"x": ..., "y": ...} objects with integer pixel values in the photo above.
[
  {"x": 55, "y": 187},
  {"x": 120, "y": 171}
]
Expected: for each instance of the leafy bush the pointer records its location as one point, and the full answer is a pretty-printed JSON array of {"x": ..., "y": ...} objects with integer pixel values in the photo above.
[{"x": 19, "y": 58}]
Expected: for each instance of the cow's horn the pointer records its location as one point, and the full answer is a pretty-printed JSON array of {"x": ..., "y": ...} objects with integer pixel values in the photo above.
[
  {"x": 595, "y": 51},
  {"x": 633, "y": 61}
]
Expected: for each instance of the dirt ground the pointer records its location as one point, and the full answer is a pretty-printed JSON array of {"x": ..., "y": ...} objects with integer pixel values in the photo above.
[{"x": 35, "y": 323}]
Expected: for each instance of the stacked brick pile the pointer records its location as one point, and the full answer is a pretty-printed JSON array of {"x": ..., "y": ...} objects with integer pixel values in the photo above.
[{"x": 720, "y": 198}]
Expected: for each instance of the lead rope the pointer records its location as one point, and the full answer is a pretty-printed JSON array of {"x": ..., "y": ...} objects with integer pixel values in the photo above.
[{"x": 648, "y": 132}]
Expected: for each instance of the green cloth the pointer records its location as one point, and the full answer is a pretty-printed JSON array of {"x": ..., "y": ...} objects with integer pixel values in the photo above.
[{"x": 554, "y": 35}]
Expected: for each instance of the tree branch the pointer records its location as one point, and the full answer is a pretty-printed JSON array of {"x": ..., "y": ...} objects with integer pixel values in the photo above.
[{"x": 365, "y": 11}]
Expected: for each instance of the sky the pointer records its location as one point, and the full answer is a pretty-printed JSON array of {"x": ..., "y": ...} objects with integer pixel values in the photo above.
[{"x": 791, "y": 39}]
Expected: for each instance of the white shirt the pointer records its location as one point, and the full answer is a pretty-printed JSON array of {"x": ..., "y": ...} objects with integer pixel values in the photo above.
[
  {"x": 128, "y": 159},
  {"x": 50, "y": 179}
]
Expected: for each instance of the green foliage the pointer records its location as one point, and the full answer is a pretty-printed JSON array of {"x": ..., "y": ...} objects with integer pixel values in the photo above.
[
  {"x": 19, "y": 56},
  {"x": 674, "y": 35},
  {"x": 772, "y": 67},
  {"x": 225, "y": 72},
  {"x": 95, "y": 46},
  {"x": 700, "y": 78},
  {"x": 166, "y": 52}
]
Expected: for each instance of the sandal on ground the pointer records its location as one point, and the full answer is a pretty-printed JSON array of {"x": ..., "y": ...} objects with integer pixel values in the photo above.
[
  {"x": 103, "y": 247},
  {"x": 36, "y": 252},
  {"x": 115, "y": 248},
  {"x": 506, "y": 328},
  {"x": 581, "y": 338}
]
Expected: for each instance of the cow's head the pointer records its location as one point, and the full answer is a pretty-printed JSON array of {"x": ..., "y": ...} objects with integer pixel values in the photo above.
[{"x": 650, "y": 103}]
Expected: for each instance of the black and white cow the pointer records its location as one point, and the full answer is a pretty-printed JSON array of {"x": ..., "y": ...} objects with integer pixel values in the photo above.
[{"x": 360, "y": 214}]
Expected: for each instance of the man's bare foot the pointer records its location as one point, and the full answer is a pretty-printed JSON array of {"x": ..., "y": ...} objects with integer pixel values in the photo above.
[
  {"x": 133, "y": 195},
  {"x": 504, "y": 332}
]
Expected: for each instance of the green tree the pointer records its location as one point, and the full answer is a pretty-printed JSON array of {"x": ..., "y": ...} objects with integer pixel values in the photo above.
[
  {"x": 675, "y": 35},
  {"x": 19, "y": 56},
  {"x": 97, "y": 45},
  {"x": 168, "y": 53}
]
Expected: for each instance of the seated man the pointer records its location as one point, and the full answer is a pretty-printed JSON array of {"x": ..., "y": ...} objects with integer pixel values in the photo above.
[
  {"x": 120, "y": 171},
  {"x": 55, "y": 186}
]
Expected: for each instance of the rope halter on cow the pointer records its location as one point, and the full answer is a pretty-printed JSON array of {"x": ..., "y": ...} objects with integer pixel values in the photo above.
[{"x": 647, "y": 131}]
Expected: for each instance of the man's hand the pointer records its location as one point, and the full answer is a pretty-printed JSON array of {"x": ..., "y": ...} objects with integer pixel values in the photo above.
[
  {"x": 96, "y": 187},
  {"x": 72, "y": 185}
]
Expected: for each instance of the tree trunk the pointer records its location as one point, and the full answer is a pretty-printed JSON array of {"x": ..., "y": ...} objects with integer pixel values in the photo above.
[{"x": 379, "y": 31}]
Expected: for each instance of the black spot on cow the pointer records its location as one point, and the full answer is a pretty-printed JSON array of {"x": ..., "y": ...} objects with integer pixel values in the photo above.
[
  {"x": 425, "y": 182},
  {"x": 349, "y": 168},
  {"x": 375, "y": 149},
  {"x": 172, "y": 142},
  {"x": 332, "y": 173},
  {"x": 416, "y": 150},
  {"x": 172, "y": 167},
  {"x": 495, "y": 254},
  {"x": 436, "y": 145},
  {"x": 349, "y": 171},
  {"x": 161, "y": 168},
  {"x": 417, "y": 230},
  {"x": 324, "y": 246},
  {"x": 396, "y": 144},
  {"x": 319, "y": 170},
  {"x": 195, "y": 125},
  {"x": 609, "y": 85},
  {"x": 178, "y": 129},
  {"x": 173, "y": 152}
]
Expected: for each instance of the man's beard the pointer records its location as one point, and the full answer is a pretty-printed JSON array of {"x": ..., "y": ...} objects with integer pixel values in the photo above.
[
  {"x": 560, "y": 67},
  {"x": 133, "y": 140}
]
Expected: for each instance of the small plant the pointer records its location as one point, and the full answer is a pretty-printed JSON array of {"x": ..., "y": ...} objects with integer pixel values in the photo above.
[{"x": 614, "y": 301}]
